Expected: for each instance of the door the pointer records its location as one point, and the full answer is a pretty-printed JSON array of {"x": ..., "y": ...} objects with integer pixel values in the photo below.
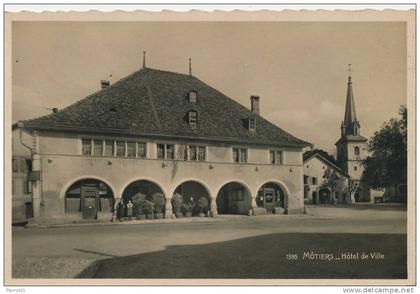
[
  {"x": 269, "y": 200},
  {"x": 89, "y": 199}
]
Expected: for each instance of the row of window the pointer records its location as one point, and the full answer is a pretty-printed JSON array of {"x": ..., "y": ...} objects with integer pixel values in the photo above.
[{"x": 118, "y": 148}]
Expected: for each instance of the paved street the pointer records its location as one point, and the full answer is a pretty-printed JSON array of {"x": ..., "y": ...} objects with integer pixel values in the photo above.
[{"x": 64, "y": 252}]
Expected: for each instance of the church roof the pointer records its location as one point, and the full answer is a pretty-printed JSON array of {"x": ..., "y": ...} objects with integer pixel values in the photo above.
[
  {"x": 351, "y": 138},
  {"x": 350, "y": 112},
  {"x": 152, "y": 102}
]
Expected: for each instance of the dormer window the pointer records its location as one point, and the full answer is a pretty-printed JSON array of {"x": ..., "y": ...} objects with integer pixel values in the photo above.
[
  {"x": 192, "y": 96},
  {"x": 252, "y": 123},
  {"x": 192, "y": 118}
]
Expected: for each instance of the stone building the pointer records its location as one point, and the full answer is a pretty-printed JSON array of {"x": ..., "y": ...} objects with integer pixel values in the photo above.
[
  {"x": 158, "y": 131},
  {"x": 351, "y": 150},
  {"x": 324, "y": 182}
]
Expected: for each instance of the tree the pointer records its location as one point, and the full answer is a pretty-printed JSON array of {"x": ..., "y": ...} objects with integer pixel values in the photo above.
[
  {"x": 323, "y": 153},
  {"x": 331, "y": 179},
  {"x": 386, "y": 164}
]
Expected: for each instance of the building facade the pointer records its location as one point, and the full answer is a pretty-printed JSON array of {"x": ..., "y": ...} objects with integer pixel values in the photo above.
[
  {"x": 324, "y": 182},
  {"x": 160, "y": 132}
]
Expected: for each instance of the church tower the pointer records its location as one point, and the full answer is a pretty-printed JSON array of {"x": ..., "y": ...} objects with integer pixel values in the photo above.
[{"x": 352, "y": 148}]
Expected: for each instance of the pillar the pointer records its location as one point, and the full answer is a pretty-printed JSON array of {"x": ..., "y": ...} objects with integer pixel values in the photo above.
[
  {"x": 253, "y": 206},
  {"x": 213, "y": 207},
  {"x": 36, "y": 185},
  {"x": 168, "y": 208}
]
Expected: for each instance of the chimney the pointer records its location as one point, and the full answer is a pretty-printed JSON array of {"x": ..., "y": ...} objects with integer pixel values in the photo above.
[
  {"x": 255, "y": 104},
  {"x": 104, "y": 84}
]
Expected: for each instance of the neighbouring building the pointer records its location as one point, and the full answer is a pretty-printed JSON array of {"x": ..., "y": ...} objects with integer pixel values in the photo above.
[
  {"x": 324, "y": 182},
  {"x": 155, "y": 131}
]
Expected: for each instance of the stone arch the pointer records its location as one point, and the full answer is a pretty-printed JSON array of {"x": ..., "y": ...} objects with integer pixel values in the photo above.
[
  {"x": 137, "y": 179},
  {"x": 192, "y": 190},
  {"x": 84, "y": 191},
  {"x": 234, "y": 197},
  {"x": 281, "y": 190}
]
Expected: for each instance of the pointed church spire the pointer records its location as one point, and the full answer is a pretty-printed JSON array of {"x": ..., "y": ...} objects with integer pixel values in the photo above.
[{"x": 350, "y": 123}]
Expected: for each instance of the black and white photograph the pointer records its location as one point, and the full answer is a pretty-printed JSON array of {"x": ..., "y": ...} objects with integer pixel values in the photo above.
[{"x": 210, "y": 148}]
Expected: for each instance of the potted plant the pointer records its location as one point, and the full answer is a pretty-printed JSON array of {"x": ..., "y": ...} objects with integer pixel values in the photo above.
[
  {"x": 138, "y": 201},
  {"x": 149, "y": 209},
  {"x": 159, "y": 204},
  {"x": 177, "y": 201},
  {"x": 187, "y": 209},
  {"x": 202, "y": 204}
]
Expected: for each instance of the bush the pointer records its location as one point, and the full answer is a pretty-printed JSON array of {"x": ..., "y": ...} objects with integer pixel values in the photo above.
[
  {"x": 187, "y": 207},
  {"x": 148, "y": 207},
  {"x": 177, "y": 202},
  {"x": 159, "y": 202},
  {"x": 138, "y": 201},
  {"x": 202, "y": 203}
]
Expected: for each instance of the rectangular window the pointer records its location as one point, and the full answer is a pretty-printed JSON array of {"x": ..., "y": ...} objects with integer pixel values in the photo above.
[
  {"x": 252, "y": 123},
  {"x": 185, "y": 152},
  {"x": 314, "y": 181},
  {"x": 276, "y": 157},
  {"x": 131, "y": 149},
  {"x": 193, "y": 118},
  {"x": 193, "y": 152},
  {"x": 201, "y": 153},
  {"x": 170, "y": 151},
  {"x": 97, "y": 147},
  {"x": 239, "y": 155},
  {"x": 193, "y": 96},
  {"x": 86, "y": 146},
  {"x": 141, "y": 151},
  {"x": 161, "y": 151},
  {"x": 165, "y": 151},
  {"x": 238, "y": 195},
  {"x": 109, "y": 148},
  {"x": 120, "y": 148}
]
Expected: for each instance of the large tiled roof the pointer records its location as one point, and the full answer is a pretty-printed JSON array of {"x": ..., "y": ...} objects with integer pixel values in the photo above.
[{"x": 155, "y": 102}]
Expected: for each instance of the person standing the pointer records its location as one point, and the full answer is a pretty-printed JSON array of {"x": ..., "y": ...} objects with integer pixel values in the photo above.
[
  {"x": 129, "y": 210},
  {"x": 120, "y": 210}
]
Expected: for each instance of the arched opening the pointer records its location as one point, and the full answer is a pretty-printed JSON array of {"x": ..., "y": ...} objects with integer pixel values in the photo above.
[
  {"x": 191, "y": 193},
  {"x": 356, "y": 150},
  {"x": 89, "y": 197},
  {"x": 324, "y": 196},
  {"x": 146, "y": 189},
  {"x": 233, "y": 198},
  {"x": 271, "y": 197}
]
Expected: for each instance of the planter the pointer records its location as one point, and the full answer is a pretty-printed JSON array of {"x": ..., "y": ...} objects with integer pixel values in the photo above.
[
  {"x": 188, "y": 214},
  {"x": 150, "y": 216},
  {"x": 141, "y": 217},
  {"x": 201, "y": 214},
  {"x": 158, "y": 215},
  {"x": 178, "y": 215}
]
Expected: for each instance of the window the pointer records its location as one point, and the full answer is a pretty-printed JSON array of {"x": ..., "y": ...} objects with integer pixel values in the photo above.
[
  {"x": 192, "y": 95},
  {"x": 239, "y": 155},
  {"x": 97, "y": 147},
  {"x": 238, "y": 195},
  {"x": 306, "y": 180},
  {"x": 109, "y": 148},
  {"x": 86, "y": 146},
  {"x": 355, "y": 168},
  {"x": 196, "y": 153},
  {"x": 131, "y": 149},
  {"x": 192, "y": 118},
  {"x": 314, "y": 181},
  {"x": 252, "y": 123},
  {"x": 165, "y": 151},
  {"x": 141, "y": 150},
  {"x": 276, "y": 157},
  {"x": 356, "y": 150},
  {"x": 120, "y": 148}
]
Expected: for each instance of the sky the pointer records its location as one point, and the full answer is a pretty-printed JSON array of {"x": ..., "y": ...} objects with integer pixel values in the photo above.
[{"x": 299, "y": 69}]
